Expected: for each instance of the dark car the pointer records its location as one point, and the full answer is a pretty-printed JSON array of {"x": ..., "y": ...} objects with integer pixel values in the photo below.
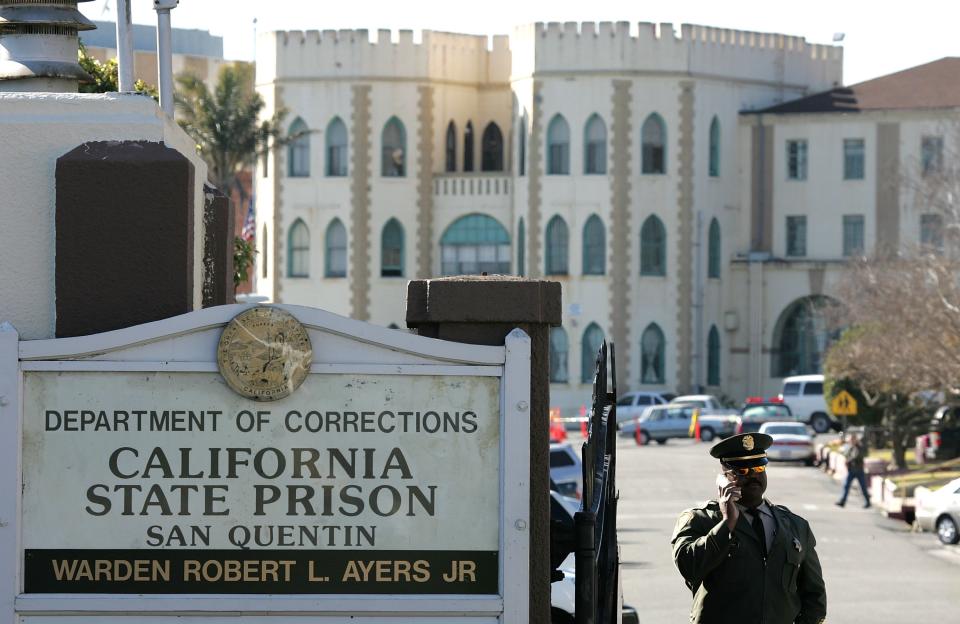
[
  {"x": 754, "y": 414},
  {"x": 944, "y": 434}
]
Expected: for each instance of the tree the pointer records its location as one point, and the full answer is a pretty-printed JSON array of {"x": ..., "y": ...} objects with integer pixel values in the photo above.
[
  {"x": 105, "y": 76},
  {"x": 226, "y": 126}
]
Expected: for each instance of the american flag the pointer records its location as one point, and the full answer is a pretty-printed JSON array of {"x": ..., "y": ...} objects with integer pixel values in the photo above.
[{"x": 249, "y": 224}]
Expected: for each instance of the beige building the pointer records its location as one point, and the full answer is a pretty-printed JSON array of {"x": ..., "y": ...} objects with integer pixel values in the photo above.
[{"x": 615, "y": 159}]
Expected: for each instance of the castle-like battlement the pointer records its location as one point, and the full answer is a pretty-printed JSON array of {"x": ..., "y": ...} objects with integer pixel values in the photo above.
[{"x": 332, "y": 54}]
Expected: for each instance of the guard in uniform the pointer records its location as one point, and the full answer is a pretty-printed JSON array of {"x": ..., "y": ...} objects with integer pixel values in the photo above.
[{"x": 747, "y": 560}]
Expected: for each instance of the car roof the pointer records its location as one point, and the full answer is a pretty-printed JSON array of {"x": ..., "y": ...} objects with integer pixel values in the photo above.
[
  {"x": 774, "y": 423},
  {"x": 691, "y": 397},
  {"x": 803, "y": 378}
]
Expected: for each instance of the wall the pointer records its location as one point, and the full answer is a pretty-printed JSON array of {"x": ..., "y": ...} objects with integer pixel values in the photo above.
[{"x": 36, "y": 129}]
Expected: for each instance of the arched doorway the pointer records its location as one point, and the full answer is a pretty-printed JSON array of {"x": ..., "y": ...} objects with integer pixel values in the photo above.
[{"x": 802, "y": 336}]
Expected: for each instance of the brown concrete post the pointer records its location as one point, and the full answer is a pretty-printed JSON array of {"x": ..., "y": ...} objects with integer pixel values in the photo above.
[{"x": 483, "y": 310}]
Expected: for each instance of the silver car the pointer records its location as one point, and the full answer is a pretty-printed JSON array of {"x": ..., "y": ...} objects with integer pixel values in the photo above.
[
  {"x": 566, "y": 471},
  {"x": 939, "y": 510}
]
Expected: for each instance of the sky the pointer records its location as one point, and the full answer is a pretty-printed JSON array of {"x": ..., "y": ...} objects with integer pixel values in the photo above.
[{"x": 880, "y": 36}]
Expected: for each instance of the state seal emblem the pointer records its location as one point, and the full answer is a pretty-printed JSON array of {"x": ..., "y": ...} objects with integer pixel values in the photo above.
[{"x": 264, "y": 353}]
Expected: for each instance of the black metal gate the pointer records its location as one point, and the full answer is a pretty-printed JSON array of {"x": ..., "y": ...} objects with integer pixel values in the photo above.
[{"x": 597, "y": 553}]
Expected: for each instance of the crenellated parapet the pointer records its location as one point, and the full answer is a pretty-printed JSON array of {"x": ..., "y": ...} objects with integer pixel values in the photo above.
[
  {"x": 353, "y": 54},
  {"x": 693, "y": 49}
]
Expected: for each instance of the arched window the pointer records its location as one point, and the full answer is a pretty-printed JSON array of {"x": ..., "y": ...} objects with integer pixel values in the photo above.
[
  {"x": 654, "y": 139},
  {"x": 713, "y": 249},
  {"x": 491, "y": 157},
  {"x": 558, "y": 146},
  {"x": 558, "y": 355},
  {"x": 298, "y": 150},
  {"x": 594, "y": 247},
  {"x": 451, "y": 164},
  {"x": 336, "y": 148},
  {"x": 264, "y": 250},
  {"x": 558, "y": 244},
  {"x": 468, "y": 147},
  {"x": 652, "y": 355},
  {"x": 391, "y": 249},
  {"x": 713, "y": 357},
  {"x": 521, "y": 248},
  {"x": 589, "y": 346},
  {"x": 802, "y": 336},
  {"x": 393, "y": 154},
  {"x": 335, "y": 244},
  {"x": 714, "y": 167},
  {"x": 474, "y": 244},
  {"x": 595, "y": 145},
  {"x": 653, "y": 247},
  {"x": 298, "y": 242},
  {"x": 522, "y": 149}
]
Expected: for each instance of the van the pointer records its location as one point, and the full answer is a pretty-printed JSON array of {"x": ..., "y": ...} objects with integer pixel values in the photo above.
[{"x": 804, "y": 395}]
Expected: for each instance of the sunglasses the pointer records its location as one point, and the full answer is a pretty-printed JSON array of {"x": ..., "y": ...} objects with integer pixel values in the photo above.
[{"x": 742, "y": 472}]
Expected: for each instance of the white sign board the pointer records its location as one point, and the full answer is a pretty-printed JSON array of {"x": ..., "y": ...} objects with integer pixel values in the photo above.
[{"x": 144, "y": 476}]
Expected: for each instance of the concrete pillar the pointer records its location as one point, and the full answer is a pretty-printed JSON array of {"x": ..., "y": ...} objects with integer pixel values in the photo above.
[{"x": 483, "y": 310}]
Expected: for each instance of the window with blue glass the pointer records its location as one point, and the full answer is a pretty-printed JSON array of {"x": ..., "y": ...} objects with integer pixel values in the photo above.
[
  {"x": 558, "y": 245},
  {"x": 595, "y": 146},
  {"x": 298, "y": 149},
  {"x": 521, "y": 248},
  {"x": 558, "y": 355},
  {"x": 491, "y": 148},
  {"x": 852, "y": 235},
  {"x": 594, "y": 247},
  {"x": 713, "y": 249},
  {"x": 653, "y": 151},
  {"x": 653, "y": 247},
  {"x": 558, "y": 146},
  {"x": 474, "y": 244},
  {"x": 335, "y": 250},
  {"x": 299, "y": 246},
  {"x": 393, "y": 149},
  {"x": 589, "y": 346},
  {"x": 391, "y": 249},
  {"x": 714, "y": 164},
  {"x": 336, "y": 148},
  {"x": 853, "y": 159},
  {"x": 652, "y": 355},
  {"x": 713, "y": 357}
]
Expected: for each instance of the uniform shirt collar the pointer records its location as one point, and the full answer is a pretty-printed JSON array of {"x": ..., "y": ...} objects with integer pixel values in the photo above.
[{"x": 763, "y": 508}]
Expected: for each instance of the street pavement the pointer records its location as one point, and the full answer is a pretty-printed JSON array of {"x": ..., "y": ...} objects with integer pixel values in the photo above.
[{"x": 875, "y": 569}]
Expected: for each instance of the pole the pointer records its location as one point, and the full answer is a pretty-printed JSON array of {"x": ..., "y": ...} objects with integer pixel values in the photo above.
[
  {"x": 124, "y": 46},
  {"x": 164, "y": 53}
]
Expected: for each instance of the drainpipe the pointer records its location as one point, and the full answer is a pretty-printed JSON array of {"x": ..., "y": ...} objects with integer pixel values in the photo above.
[
  {"x": 124, "y": 46},
  {"x": 164, "y": 53}
]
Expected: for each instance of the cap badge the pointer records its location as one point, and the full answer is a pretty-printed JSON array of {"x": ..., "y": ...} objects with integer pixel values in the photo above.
[{"x": 748, "y": 443}]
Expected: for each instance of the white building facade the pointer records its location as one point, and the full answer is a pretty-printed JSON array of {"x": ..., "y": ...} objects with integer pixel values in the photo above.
[{"x": 618, "y": 162}]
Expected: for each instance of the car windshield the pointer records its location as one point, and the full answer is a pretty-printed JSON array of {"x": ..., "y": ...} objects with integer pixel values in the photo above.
[
  {"x": 767, "y": 412},
  {"x": 786, "y": 430}
]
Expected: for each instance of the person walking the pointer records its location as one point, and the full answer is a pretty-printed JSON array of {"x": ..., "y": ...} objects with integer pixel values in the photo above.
[
  {"x": 853, "y": 451},
  {"x": 745, "y": 559}
]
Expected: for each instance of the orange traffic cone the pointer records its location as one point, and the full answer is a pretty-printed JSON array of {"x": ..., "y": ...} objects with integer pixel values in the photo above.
[{"x": 583, "y": 420}]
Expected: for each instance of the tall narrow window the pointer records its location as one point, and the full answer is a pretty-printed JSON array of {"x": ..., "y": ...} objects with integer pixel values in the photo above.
[
  {"x": 595, "y": 146},
  {"x": 654, "y": 142},
  {"x": 713, "y": 357},
  {"x": 653, "y": 247},
  {"x": 852, "y": 235},
  {"x": 491, "y": 152},
  {"x": 336, "y": 148},
  {"x": 474, "y": 244},
  {"x": 558, "y": 244},
  {"x": 558, "y": 146},
  {"x": 931, "y": 231},
  {"x": 652, "y": 355},
  {"x": 391, "y": 249},
  {"x": 451, "y": 164},
  {"x": 853, "y": 157},
  {"x": 797, "y": 236},
  {"x": 522, "y": 148},
  {"x": 393, "y": 153},
  {"x": 335, "y": 243},
  {"x": 797, "y": 160},
  {"x": 589, "y": 346},
  {"x": 298, "y": 150},
  {"x": 558, "y": 355},
  {"x": 468, "y": 147},
  {"x": 298, "y": 243},
  {"x": 714, "y": 165},
  {"x": 594, "y": 246},
  {"x": 931, "y": 154},
  {"x": 713, "y": 249},
  {"x": 521, "y": 248},
  {"x": 265, "y": 252}
]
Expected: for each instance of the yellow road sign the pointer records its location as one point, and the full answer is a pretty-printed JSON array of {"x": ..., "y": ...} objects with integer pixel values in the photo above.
[{"x": 844, "y": 404}]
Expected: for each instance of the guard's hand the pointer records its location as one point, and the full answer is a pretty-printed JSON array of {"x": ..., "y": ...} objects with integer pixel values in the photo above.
[{"x": 729, "y": 494}]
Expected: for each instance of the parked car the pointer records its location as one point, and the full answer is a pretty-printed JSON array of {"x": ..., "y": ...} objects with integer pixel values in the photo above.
[
  {"x": 944, "y": 435},
  {"x": 662, "y": 422},
  {"x": 753, "y": 415},
  {"x": 939, "y": 510},
  {"x": 706, "y": 402},
  {"x": 566, "y": 470},
  {"x": 631, "y": 405},
  {"x": 804, "y": 395},
  {"x": 792, "y": 441}
]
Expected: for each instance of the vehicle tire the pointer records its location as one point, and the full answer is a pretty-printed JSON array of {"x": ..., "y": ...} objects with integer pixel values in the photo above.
[
  {"x": 662, "y": 441},
  {"x": 820, "y": 422},
  {"x": 706, "y": 434},
  {"x": 947, "y": 530},
  {"x": 643, "y": 438},
  {"x": 808, "y": 461}
]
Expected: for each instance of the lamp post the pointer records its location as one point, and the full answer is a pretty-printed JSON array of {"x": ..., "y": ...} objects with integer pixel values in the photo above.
[{"x": 164, "y": 53}]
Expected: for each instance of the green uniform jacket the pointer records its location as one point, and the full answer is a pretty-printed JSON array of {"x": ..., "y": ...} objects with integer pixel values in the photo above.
[{"x": 733, "y": 584}]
